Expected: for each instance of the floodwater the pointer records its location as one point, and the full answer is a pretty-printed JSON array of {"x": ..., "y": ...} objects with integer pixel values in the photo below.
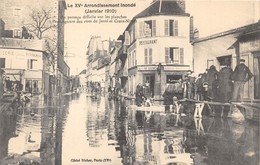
[{"x": 77, "y": 129}]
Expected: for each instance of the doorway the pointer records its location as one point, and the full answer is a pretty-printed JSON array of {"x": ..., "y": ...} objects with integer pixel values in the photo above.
[{"x": 149, "y": 79}]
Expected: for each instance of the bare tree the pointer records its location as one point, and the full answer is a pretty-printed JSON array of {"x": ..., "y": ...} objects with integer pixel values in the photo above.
[
  {"x": 51, "y": 49},
  {"x": 42, "y": 24},
  {"x": 41, "y": 21}
]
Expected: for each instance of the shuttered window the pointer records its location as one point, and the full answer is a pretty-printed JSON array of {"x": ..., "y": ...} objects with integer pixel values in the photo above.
[
  {"x": 148, "y": 56},
  {"x": 174, "y": 55},
  {"x": 171, "y": 28},
  {"x": 181, "y": 56}
]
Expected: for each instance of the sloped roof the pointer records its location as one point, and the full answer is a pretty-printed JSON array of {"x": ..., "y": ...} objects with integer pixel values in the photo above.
[
  {"x": 240, "y": 31},
  {"x": 83, "y": 72},
  {"x": 167, "y": 8}
]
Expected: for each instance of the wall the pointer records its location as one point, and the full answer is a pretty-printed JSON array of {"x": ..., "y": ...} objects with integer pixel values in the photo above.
[
  {"x": 212, "y": 48},
  {"x": 18, "y": 59}
]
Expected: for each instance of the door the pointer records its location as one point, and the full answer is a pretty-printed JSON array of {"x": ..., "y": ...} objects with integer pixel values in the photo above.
[{"x": 149, "y": 79}]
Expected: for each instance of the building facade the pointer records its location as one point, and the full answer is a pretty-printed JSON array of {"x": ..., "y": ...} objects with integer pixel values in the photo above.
[
  {"x": 156, "y": 47},
  {"x": 15, "y": 24},
  {"x": 229, "y": 47},
  {"x": 98, "y": 60},
  {"x": 25, "y": 62}
]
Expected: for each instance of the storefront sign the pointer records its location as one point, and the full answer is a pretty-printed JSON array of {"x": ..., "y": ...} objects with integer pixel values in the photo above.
[
  {"x": 146, "y": 42},
  {"x": 19, "y": 53},
  {"x": 176, "y": 68},
  {"x": 147, "y": 68}
]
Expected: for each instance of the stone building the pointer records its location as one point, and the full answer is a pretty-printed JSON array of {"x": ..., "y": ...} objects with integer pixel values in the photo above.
[{"x": 156, "y": 47}]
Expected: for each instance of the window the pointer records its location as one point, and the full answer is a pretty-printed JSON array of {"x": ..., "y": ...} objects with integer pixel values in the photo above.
[
  {"x": 134, "y": 58},
  {"x": 148, "y": 56},
  {"x": 17, "y": 33},
  {"x": 174, "y": 55},
  {"x": 127, "y": 38},
  {"x": 30, "y": 63},
  {"x": 2, "y": 62},
  {"x": 171, "y": 27},
  {"x": 147, "y": 28},
  {"x": 17, "y": 11},
  {"x": 32, "y": 86},
  {"x": 129, "y": 60}
]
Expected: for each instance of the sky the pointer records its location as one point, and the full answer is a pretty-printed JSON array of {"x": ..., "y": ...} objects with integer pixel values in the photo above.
[{"x": 210, "y": 17}]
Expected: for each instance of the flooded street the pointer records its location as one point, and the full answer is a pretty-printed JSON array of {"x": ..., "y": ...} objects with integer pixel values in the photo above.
[{"x": 78, "y": 129}]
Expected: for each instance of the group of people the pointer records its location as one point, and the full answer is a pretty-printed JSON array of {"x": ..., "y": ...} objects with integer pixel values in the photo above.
[
  {"x": 94, "y": 87},
  {"x": 224, "y": 85},
  {"x": 143, "y": 94},
  {"x": 16, "y": 86},
  {"x": 11, "y": 85},
  {"x": 113, "y": 93}
]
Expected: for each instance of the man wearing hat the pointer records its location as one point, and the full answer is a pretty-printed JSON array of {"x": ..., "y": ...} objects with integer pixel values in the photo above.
[{"x": 240, "y": 76}]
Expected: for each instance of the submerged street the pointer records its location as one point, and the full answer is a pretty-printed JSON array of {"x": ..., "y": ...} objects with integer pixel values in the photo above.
[{"x": 77, "y": 129}]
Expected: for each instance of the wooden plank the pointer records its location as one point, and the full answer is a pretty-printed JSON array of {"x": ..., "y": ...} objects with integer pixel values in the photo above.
[
  {"x": 155, "y": 108},
  {"x": 206, "y": 102}
]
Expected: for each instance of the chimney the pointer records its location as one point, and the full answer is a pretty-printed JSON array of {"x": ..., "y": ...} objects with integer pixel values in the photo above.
[
  {"x": 191, "y": 29},
  {"x": 196, "y": 34}
]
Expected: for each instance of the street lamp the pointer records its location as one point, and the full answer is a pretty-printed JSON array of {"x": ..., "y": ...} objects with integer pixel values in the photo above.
[{"x": 159, "y": 70}]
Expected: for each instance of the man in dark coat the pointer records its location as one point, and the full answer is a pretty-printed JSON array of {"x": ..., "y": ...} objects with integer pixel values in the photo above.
[
  {"x": 225, "y": 87},
  {"x": 138, "y": 94},
  {"x": 240, "y": 76},
  {"x": 199, "y": 87},
  {"x": 210, "y": 77}
]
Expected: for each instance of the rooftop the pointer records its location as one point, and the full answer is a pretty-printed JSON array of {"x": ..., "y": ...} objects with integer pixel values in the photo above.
[
  {"x": 251, "y": 28},
  {"x": 168, "y": 7}
]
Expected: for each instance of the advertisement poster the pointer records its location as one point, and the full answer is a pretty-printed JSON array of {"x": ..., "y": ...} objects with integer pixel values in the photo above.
[{"x": 140, "y": 82}]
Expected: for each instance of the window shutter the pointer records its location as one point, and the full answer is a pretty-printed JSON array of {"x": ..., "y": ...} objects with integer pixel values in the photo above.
[
  {"x": 181, "y": 56},
  {"x": 127, "y": 38},
  {"x": 141, "y": 29},
  {"x": 167, "y": 56},
  {"x": 176, "y": 28},
  {"x": 166, "y": 27},
  {"x": 150, "y": 56},
  {"x": 136, "y": 31},
  {"x": 145, "y": 56},
  {"x": 154, "y": 28},
  {"x": 176, "y": 56},
  {"x": 133, "y": 54},
  {"x": 129, "y": 60},
  {"x": 28, "y": 63}
]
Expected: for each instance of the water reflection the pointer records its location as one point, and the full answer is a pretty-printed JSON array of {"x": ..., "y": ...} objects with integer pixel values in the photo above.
[{"x": 78, "y": 127}]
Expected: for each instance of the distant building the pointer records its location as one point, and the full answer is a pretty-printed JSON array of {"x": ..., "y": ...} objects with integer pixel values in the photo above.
[{"x": 98, "y": 57}]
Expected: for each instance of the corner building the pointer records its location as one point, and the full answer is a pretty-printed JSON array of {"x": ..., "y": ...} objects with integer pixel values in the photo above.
[{"x": 158, "y": 46}]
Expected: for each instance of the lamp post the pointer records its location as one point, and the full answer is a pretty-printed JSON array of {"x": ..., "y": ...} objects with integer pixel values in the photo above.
[{"x": 159, "y": 70}]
